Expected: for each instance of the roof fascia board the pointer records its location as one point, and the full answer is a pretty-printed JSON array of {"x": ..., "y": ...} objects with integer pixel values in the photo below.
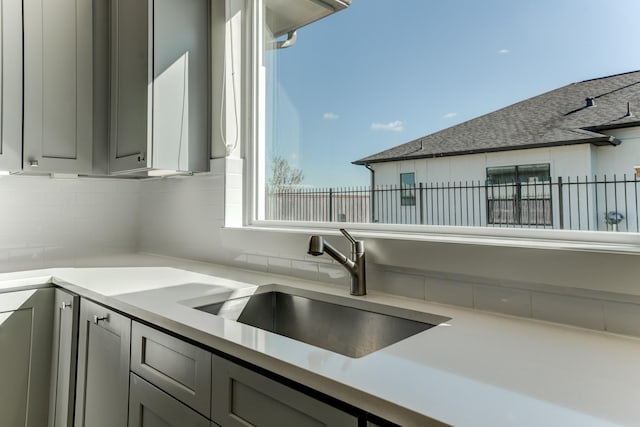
[{"x": 598, "y": 141}]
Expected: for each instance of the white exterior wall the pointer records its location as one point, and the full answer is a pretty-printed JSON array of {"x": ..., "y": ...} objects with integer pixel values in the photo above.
[
  {"x": 573, "y": 160},
  {"x": 618, "y": 160},
  {"x": 462, "y": 206}
]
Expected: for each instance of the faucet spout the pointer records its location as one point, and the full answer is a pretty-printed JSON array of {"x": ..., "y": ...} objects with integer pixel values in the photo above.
[{"x": 354, "y": 265}]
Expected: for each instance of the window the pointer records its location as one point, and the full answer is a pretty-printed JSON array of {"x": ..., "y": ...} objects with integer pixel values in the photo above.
[
  {"x": 408, "y": 189},
  {"x": 344, "y": 107},
  {"x": 519, "y": 195}
]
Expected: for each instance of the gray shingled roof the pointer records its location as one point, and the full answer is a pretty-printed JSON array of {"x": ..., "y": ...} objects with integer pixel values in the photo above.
[{"x": 558, "y": 117}]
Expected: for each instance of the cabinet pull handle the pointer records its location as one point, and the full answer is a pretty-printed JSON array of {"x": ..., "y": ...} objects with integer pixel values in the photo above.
[
  {"x": 97, "y": 319},
  {"x": 65, "y": 305}
]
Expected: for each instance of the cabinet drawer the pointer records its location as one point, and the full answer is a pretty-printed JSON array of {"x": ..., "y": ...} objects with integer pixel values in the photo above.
[
  {"x": 150, "y": 406},
  {"x": 242, "y": 398},
  {"x": 181, "y": 369}
]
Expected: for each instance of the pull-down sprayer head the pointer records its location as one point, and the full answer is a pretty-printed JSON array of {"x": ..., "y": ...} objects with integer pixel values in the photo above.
[{"x": 316, "y": 246}]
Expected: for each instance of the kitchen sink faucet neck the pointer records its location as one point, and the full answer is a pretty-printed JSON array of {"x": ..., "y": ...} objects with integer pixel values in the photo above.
[{"x": 354, "y": 265}]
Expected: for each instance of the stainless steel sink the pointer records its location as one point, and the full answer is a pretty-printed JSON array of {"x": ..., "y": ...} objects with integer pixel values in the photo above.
[{"x": 351, "y": 331}]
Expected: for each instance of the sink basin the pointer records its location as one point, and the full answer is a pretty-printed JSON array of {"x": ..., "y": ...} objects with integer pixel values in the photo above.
[{"x": 351, "y": 331}]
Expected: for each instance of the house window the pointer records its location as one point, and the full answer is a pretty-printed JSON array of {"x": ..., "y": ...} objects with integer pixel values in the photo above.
[
  {"x": 519, "y": 195},
  {"x": 324, "y": 145},
  {"x": 408, "y": 189}
]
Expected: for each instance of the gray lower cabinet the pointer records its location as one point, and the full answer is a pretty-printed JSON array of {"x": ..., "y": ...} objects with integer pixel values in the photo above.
[
  {"x": 151, "y": 407},
  {"x": 179, "y": 368},
  {"x": 66, "y": 311},
  {"x": 102, "y": 386},
  {"x": 242, "y": 397},
  {"x": 25, "y": 357}
]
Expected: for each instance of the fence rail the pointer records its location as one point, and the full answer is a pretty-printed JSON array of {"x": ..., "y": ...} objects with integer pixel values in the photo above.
[{"x": 579, "y": 203}]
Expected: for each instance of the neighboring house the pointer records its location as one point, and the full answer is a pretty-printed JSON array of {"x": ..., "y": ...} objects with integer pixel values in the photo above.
[{"x": 514, "y": 156}]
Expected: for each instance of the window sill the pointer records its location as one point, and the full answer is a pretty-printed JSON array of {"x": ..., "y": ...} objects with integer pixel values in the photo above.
[{"x": 564, "y": 240}]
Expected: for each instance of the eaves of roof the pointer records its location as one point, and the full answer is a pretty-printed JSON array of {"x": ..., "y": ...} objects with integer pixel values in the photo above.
[{"x": 602, "y": 140}]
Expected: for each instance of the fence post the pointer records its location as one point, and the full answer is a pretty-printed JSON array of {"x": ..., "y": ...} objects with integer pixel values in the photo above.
[
  {"x": 331, "y": 205},
  {"x": 421, "y": 201},
  {"x": 560, "y": 204}
]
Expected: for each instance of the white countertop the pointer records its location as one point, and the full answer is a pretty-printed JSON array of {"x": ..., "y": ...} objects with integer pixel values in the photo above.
[{"x": 477, "y": 369}]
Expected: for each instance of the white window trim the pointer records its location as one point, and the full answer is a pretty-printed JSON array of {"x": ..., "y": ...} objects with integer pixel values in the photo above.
[{"x": 254, "y": 150}]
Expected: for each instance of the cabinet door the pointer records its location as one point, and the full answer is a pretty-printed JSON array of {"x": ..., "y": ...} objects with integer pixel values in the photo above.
[
  {"x": 242, "y": 398},
  {"x": 159, "y": 85},
  {"x": 151, "y": 407},
  {"x": 58, "y": 85},
  {"x": 130, "y": 85},
  {"x": 179, "y": 368},
  {"x": 180, "y": 85},
  {"x": 11, "y": 85},
  {"x": 25, "y": 352},
  {"x": 66, "y": 311},
  {"x": 102, "y": 385}
]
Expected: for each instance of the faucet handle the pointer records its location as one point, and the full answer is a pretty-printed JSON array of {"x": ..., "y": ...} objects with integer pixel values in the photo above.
[{"x": 348, "y": 236}]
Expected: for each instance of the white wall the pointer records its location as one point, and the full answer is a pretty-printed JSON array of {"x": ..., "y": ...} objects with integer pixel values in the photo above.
[
  {"x": 49, "y": 222},
  {"x": 573, "y": 160},
  {"x": 618, "y": 160}
]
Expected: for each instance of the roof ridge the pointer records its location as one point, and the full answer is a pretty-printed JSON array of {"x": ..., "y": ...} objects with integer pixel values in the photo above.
[{"x": 607, "y": 77}]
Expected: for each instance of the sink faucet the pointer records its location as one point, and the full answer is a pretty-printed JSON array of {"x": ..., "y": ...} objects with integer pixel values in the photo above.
[{"x": 355, "y": 266}]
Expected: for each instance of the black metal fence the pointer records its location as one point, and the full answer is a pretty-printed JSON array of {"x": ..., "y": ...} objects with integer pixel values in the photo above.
[{"x": 596, "y": 204}]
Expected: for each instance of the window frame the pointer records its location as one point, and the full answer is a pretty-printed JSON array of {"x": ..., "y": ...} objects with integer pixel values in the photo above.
[
  {"x": 515, "y": 186},
  {"x": 253, "y": 179},
  {"x": 408, "y": 192}
]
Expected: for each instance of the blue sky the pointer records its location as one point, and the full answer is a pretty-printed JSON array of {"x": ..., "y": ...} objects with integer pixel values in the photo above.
[{"x": 383, "y": 72}]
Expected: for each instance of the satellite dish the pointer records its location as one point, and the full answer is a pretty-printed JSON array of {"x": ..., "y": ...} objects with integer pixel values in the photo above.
[{"x": 614, "y": 218}]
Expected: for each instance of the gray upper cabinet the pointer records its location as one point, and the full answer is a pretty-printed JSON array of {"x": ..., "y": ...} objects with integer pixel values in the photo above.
[
  {"x": 11, "y": 85},
  {"x": 58, "y": 86},
  {"x": 102, "y": 385},
  {"x": 25, "y": 352},
  {"x": 66, "y": 310},
  {"x": 159, "y": 85}
]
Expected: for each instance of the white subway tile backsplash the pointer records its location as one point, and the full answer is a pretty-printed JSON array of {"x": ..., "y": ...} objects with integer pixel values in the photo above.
[
  {"x": 407, "y": 285},
  {"x": 333, "y": 273},
  {"x": 502, "y": 300},
  {"x": 583, "y": 312},
  {"x": 279, "y": 265},
  {"x": 304, "y": 269},
  {"x": 622, "y": 318},
  {"x": 449, "y": 292},
  {"x": 46, "y": 221}
]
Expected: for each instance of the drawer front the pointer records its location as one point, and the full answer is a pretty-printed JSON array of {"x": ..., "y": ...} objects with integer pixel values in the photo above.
[
  {"x": 181, "y": 369},
  {"x": 242, "y": 398},
  {"x": 149, "y": 406}
]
